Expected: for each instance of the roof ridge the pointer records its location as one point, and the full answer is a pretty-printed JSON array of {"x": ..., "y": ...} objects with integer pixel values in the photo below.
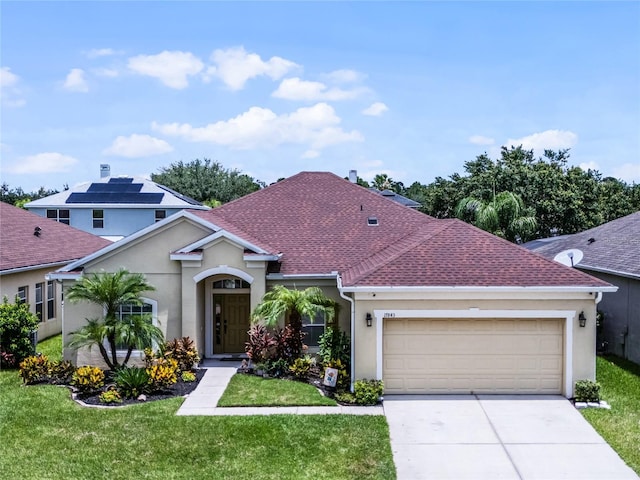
[{"x": 394, "y": 250}]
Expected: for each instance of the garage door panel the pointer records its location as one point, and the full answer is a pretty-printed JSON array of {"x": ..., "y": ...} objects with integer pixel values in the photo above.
[{"x": 473, "y": 355}]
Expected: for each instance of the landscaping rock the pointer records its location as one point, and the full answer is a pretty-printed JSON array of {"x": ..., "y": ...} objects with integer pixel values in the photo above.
[{"x": 142, "y": 398}]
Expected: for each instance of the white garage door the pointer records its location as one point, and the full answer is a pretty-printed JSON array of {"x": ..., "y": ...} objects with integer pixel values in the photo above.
[{"x": 473, "y": 355}]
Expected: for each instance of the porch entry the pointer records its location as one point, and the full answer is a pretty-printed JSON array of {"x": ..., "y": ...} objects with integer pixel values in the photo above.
[{"x": 231, "y": 314}]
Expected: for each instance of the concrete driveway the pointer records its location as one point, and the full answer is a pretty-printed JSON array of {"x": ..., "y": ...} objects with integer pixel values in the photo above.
[{"x": 497, "y": 437}]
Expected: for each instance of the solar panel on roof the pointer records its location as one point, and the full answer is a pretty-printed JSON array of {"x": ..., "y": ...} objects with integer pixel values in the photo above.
[
  {"x": 121, "y": 180},
  {"x": 114, "y": 187},
  {"x": 109, "y": 197}
]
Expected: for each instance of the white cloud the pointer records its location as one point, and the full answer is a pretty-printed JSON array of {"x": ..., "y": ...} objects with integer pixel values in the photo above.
[
  {"x": 48, "y": 162},
  {"x": 629, "y": 172},
  {"x": 345, "y": 76},
  {"x": 375, "y": 109},
  {"x": 9, "y": 87},
  {"x": 102, "y": 52},
  {"x": 316, "y": 126},
  {"x": 549, "y": 139},
  {"x": 303, "y": 90},
  {"x": 105, "y": 72},
  {"x": 171, "y": 68},
  {"x": 235, "y": 66},
  {"x": 135, "y": 146},
  {"x": 481, "y": 140},
  {"x": 310, "y": 154},
  {"x": 75, "y": 81},
  {"x": 589, "y": 166}
]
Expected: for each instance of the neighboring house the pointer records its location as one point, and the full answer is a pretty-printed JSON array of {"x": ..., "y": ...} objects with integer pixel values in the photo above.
[
  {"x": 31, "y": 247},
  {"x": 610, "y": 252},
  {"x": 431, "y": 306},
  {"x": 113, "y": 207},
  {"x": 396, "y": 197}
]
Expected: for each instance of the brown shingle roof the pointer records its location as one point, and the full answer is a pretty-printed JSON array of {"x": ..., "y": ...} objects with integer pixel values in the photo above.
[
  {"x": 57, "y": 243},
  {"x": 318, "y": 221}
]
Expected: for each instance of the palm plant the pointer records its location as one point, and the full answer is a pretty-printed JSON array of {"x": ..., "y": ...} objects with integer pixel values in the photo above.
[
  {"x": 111, "y": 291},
  {"x": 281, "y": 302},
  {"x": 505, "y": 216}
]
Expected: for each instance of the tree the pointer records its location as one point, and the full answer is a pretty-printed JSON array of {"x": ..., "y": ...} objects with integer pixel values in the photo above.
[
  {"x": 281, "y": 302},
  {"x": 206, "y": 181},
  {"x": 112, "y": 291},
  {"x": 382, "y": 181},
  {"x": 18, "y": 197},
  {"x": 505, "y": 216}
]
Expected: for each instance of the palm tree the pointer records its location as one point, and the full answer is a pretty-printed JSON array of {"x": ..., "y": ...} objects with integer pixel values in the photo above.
[
  {"x": 111, "y": 291},
  {"x": 505, "y": 216},
  {"x": 281, "y": 301}
]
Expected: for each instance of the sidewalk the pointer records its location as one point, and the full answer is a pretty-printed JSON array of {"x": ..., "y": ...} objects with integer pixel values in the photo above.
[{"x": 203, "y": 400}]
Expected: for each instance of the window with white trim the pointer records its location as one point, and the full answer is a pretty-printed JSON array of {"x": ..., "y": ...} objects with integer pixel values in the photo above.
[
  {"x": 51, "y": 300},
  {"x": 40, "y": 301},
  {"x": 59, "y": 215},
  {"x": 313, "y": 330},
  {"x": 125, "y": 312},
  {"x": 161, "y": 215},
  {"x": 23, "y": 294},
  {"x": 98, "y": 219}
]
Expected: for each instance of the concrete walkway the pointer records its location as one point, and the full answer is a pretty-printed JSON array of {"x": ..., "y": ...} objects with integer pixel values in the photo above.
[
  {"x": 204, "y": 400},
  {"x": 497, "y": 437}
]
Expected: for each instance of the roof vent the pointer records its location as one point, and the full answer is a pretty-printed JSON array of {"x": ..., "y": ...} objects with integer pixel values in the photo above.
[
  {"x": 372, "y": 221},
  {"x": 591, "y": 240},
  {"x": 37, "y": 231}
]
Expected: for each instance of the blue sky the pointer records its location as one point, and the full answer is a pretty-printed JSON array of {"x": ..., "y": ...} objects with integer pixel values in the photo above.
[{"x": 413, "y": 90}]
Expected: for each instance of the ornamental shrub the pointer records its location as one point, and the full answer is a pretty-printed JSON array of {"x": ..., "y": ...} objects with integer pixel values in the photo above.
[
  {"x": 261, "y": 345},
  {"x": 132, "y": 381},
  {"x": 163, "y": 374},
  {"x": 301, "y": 366},
  {"x": 35, "y": 368},
  {"x": 88, "y": 379},
  {"x": 183, "y": 350},
  {"x": 587, "y": 391},
  {"x": 61, "y": 372},
  {"x": 188, "y": 377},
  {"x": 335, "y": 345},
  {"x": 110, "y": 396},
  {"x": 17, "y": 325},
  {"x": 368, "y": 392}
]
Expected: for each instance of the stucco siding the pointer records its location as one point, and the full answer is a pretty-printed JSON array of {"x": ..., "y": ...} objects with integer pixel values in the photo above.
[
  {"x": 9, "y": 285},
  {"x": 583, "y": 339}
]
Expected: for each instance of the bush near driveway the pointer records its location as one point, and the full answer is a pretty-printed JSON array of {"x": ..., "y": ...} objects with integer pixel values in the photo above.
[{"x": 620, "y": 427}]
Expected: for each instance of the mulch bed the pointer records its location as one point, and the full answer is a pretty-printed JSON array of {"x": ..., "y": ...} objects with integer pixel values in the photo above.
[{"x": 179, "y": 389}]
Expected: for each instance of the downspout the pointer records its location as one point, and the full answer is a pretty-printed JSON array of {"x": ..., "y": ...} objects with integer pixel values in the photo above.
[{"x": 353, "y": 327}]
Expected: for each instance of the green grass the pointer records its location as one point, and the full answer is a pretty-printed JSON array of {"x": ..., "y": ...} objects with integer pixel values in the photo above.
[
  {"x": 45, "y": 435},
  {"x": 51, "y": 347},
  {"x": 620, "y": 426},
  {"x": 253, "y": 391}
]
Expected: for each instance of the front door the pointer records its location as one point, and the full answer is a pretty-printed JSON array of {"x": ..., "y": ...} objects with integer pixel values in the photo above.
[{"x": 231, "y": 322}]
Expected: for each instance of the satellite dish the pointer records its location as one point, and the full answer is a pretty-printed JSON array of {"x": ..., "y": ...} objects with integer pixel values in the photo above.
[{"x": 570, "y": 257}]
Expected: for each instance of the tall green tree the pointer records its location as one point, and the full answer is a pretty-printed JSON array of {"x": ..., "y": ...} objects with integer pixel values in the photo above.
[
  {"x": 505, "y": 216},
  {"x": 206, "y": 181},
  {"x": 283, "y": 303},
  {"x": 18, "y": 197},
  {"x": 112, "y": 291}
]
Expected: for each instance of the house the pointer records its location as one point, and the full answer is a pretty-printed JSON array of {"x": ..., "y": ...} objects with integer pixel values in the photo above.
[
  {"x": 30, "y": 248},
  {"x": 396, "y": 197},
  {"x": 610, "y": 252},
  {"x": 113, "y": 206},
  {"x": 431, "y": 306}
]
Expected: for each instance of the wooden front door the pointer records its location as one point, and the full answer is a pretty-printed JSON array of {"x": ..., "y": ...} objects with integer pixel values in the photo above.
[{"x": 231, "y": 316}]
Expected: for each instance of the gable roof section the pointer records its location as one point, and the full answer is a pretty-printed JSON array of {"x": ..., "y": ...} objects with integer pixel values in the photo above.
[
  {"x": 318, "y": 221},
  {"x": 56, "y": 243},
  {"x": 118, "y": 192},
  {"x": 458, "y": 254},
  {"x": 615, "y": 247}
]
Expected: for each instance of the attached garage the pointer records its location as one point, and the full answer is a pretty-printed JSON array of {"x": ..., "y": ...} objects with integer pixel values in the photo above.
[{"x": 473, "y": 355}]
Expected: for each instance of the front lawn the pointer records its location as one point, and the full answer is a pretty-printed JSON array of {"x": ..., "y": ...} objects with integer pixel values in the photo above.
[
  {"x": 45, "y": 435},
  {"x": 620, "y": 426},
  {"x": 253, "y": 391}
]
